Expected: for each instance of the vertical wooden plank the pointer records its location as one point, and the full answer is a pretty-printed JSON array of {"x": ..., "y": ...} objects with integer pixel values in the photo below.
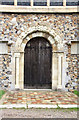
[
  {"x": 15, "y": 2},
  {"x": 64, "y": 2}
]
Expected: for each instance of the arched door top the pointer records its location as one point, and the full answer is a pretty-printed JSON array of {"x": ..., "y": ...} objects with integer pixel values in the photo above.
[{"x": 51, "y": 36}]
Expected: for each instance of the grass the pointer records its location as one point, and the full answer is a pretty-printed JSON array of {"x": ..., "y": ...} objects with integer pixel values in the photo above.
[
  {"x": 68, "y": 109},
  {"x": 2, "y": 92},
  {"x": 76, "y": 92},
  {"x": 55, "y": 109}
]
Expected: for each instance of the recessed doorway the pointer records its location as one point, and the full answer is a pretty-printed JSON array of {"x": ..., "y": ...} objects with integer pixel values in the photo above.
[{"x": 38, "y": 64}]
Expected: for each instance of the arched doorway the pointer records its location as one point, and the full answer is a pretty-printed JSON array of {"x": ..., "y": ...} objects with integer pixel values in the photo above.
[{"x": 38, "y": 64}]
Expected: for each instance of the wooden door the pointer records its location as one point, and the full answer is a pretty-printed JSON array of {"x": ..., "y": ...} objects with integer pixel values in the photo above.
[{"x": 37, "y": 64}]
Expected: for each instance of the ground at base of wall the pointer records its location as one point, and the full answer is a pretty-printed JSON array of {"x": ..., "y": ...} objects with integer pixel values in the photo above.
[{"x": 38, "y": 113}]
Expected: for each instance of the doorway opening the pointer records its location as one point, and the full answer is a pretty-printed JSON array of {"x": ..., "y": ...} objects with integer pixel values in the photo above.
[{"x": 38, "y": 64}]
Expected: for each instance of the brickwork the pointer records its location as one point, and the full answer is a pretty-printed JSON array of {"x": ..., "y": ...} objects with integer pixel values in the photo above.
[{"x": 64, "y": 25}]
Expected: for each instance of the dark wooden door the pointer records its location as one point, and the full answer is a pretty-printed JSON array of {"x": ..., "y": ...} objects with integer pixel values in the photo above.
[{"x": 37, "y": 64}]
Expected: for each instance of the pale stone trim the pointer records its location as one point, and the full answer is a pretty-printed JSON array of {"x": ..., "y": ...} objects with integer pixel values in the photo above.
[
  {"x": 13, "y": 105},
  {"x": 21, "y": 72},
  {"x": 15, "y": 2},
  {"x": 37, "y": 106},
  {"x": 48, "y": 3},
  {"x": 38, "y": 89},
  {"x": 51, "y": 106},
  {"x": 64, "y": 68},
  {"x": 64, "y": 2},
  {"x": 59, "y": 72},
  {"x": 39, "y": 31},
  {"x": 41, "y": 106},
  {"x": 17, "y": 55},
  {"x": 3, "y": 48},
  {"x": 36, "y": 34},
  {"x": 54, "y": 71},
  {"x": 17, "y": 72},
  {"x": 31, "y": 3},
  {"x": 37, "y": 9},
  {"x": 51, "y": 40}
]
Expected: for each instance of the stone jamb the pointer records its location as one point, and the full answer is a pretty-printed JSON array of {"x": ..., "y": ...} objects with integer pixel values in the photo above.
[
  {"x": 60, "y": 68},
  {"x": 17, "y": 65}
]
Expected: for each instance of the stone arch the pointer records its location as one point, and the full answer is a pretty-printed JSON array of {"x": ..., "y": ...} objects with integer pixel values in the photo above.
[
  {"x": 41, "y": 31},
  {"x": 57, "y": 54}
]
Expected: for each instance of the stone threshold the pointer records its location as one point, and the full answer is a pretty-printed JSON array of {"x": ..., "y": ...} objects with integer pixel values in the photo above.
[
  {"x": 37, "y": 106},
  {"x": 38, "y": 89}
]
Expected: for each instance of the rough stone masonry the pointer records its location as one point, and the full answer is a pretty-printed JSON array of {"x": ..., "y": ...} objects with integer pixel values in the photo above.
[{"x": 11, "y": 27}]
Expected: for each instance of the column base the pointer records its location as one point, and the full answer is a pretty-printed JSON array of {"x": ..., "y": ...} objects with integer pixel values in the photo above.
[
  {"x": 54, "y": 86},
  {"x": 16, "y": 87},
  {"x": 59, "y": 87}
]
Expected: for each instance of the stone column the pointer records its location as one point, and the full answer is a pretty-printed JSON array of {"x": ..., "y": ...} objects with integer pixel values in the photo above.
[
  {"x": 59, "y": 72},
  {"x": 17, "y": 55},
  {"x": 64, "y": 2},
  {"x": 48, "y": 3},
  {"x": 31, "y": 3},
  {"x": 54, "y": 70},
  {"x": 15, "y": 2},
  {"x": 21, "y": 71}
]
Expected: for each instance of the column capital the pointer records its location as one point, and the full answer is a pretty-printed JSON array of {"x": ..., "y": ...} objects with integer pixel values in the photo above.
[
  {"x": 17, "y": 54},
  {"x": 60, "y": 54}
]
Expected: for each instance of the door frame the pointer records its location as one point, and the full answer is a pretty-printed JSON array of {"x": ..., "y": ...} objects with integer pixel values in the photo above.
[{"x": 57, "y": 58}]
